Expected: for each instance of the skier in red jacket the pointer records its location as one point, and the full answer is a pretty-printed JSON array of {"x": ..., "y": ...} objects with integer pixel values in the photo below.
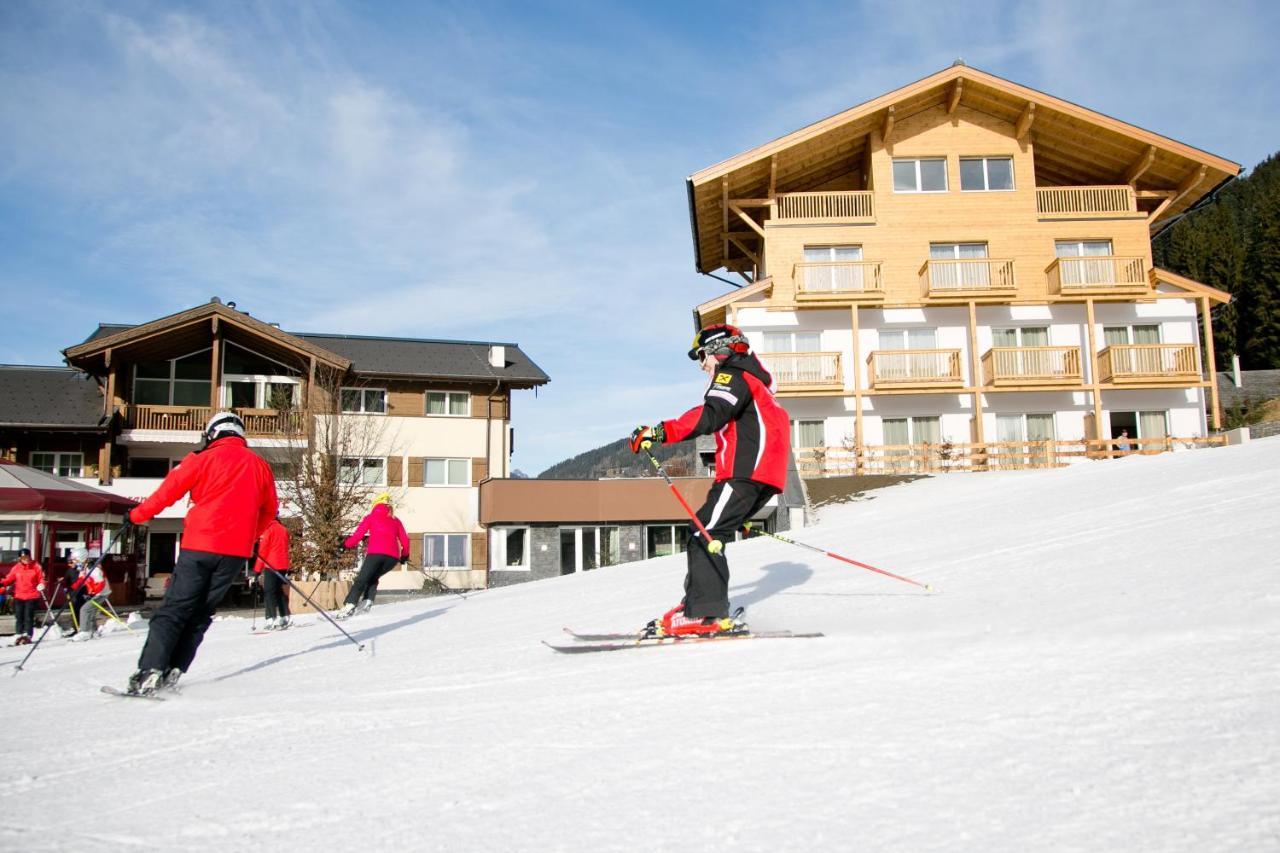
[
  {"x": 273, "y": 553},
  {"x": 96, "y": 590},
  {"x": 753, "y": 448},
  {"x": 233, "y": 499},
  {"x": 27, "y": 579},
  {"x": 388, "y": 545}
]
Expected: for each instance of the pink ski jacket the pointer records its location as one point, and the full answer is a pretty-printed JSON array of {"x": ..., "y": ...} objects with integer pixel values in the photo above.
[{"x": 386, "y": 534}]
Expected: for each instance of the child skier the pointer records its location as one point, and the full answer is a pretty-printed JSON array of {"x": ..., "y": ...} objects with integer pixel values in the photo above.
[
  {"x": 273, "y": 553},
  {"x": 753, "y": 446},
  {"x": 96, "y": 590},
  {"x": 233, "y": 499},
  {"x": 27, "y": 579},
  {"x": 388, "y": 545}
]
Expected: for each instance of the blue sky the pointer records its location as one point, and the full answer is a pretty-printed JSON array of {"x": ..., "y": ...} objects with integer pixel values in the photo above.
[{"x": 489, "y": 171}]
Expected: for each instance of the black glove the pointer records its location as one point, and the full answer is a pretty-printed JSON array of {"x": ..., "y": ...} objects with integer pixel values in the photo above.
[
  {"x": 404, "y": 560},
  {"x": 342, "y": 544},
  {"x": 642, "y": 437}
]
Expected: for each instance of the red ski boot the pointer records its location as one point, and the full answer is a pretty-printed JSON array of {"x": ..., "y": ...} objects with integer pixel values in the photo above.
[{"x": 675, "y": 624}]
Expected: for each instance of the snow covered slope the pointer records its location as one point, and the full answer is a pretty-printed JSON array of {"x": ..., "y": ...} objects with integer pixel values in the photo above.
[{"x": 1097, "y": 671}]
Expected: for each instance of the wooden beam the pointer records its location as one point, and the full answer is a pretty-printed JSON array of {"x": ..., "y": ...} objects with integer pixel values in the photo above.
[
  {"x": 724, "y": 216},
  {"x": 747, "y": 219},
  {"x": 750, "y": 253},
  {"x": 1190, "y": 183},
  {"x": 1140, "y": 165},
  {"x": 856, "y": 370},
  {"x": 1154, "y": 193},
  {"x": 975, "y": 378},
  {"x": 750, "y": 202},
  {"x": 886, "y": 132},
  {"x": 773, "y": 176},
  {"x": 956, "y": 88},
  {"x": 1092, "y": 364},
  {"x": 1025, "y": 120},
  {"x": 1211, "y": 361}
]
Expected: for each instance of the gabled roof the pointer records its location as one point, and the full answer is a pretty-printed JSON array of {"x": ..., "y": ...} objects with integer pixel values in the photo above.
[
  {"x": 49, "y": 398},
  {"x": 1162, "y": 276},
  {"x": 1073, "y": 146},
  {"x": 414, "y": 357}
]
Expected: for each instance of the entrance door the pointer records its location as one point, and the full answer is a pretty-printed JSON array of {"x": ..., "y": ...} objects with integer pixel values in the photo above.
[
  {"x": 569, "y": 558},
  {"x": 160, "y": 553}
]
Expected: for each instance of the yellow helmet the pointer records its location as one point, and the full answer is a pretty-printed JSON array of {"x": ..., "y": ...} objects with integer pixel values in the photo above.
[{"x": 384, "y": 498}]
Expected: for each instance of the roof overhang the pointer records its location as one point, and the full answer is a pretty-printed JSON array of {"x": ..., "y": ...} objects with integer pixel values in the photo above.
[
  {"x": 1074, "y": 146},
  {"x": 763, "y": 287},
  {"x": 1193, "y": 287}
]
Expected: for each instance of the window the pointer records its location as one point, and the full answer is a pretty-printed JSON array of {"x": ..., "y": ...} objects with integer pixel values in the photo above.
[
  {"x": 900, "y": 339},
  {"x": 1085, "y": 262},
  {"x": 509, "y": 548},
  {"x": 831, "y": 270},
  {"x": 59, "y": 464},
  {"x": 454, "y": 403},
  {"x": 1138, "y": 334},
  {"x": 792, "y": 341},
  {"x": 1026, "y": 336},
  {"x": 662, "y": 540},
  {"x": 1011, "y": 430},
  {"x": 252, "y": 381},
  {"x": 587, "y": 548},
  {"x": 808, "y": 434},
  {"x": 901, "y": 433},
  {"x": 950, "y": 270},
  {"x": 13, "y": 535},
  {"x": 920, "y": 176},
  {"x": 448, "y": 472},
  {"x": 366, "y": 471},
  {"x": 986, "y": 174},
  {"x": 444, "y": 550},
  {"x": 364, "y": 401},
  {"x": 181, "y": 381},
  {"x": 142, "y": 466}
]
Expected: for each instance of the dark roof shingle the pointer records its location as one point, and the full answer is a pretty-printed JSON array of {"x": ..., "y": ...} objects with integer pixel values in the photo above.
[{"x": 49, "y": 397}]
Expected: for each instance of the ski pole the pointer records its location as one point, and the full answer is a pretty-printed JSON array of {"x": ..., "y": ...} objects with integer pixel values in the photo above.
[
  {"x": 110, "y": 614},
  {"x": 762, "y": 531},
  {"x": 712, "y": 545},
  {"x": 435, "y": 580},
  {"x": 48, "y": 608},
  {"x": 106, "y": 549},
  {"x": 254, "y": 626},
  {"x": 284, "y": 577}
]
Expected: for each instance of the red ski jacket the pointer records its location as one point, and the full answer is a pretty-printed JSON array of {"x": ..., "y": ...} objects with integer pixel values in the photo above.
[
  {"x": 233, "y": 498},
  {"x": 24, "y": 577},
  {"x": 94, "y": 582},
  {"x": 273, "y": 548},
  {"x": 753, "y": 432},
  {"x": 386, "y": 533}
]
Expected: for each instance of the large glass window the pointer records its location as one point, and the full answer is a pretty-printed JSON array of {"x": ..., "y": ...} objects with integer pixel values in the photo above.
[
  {"x": 901, "y": 434},
  {"x": 448, "y": 472},
  {"x": 662, "y": 540},
  {"x": 444, "y": 550},
  {"x": 792, "y": 342},
  {"x": 364, "y": 401},
  {"x": 952, "y": 271},
  {"x": 808, "y": 434},
  {"x": 830, "y": 268},
  {"x": 925, "y": 175},
  {"x": 59, "y": 464},
  {"x": 509, "y": 548},
  {"x": 455, "y": 403},
  {"x": 900, "y": 339},
  {"x": 986, "y": 174},
  {"x": 181, "y": 381},
  {"x": 367, "y": 471},
  {"x": 13, "y": 535}
]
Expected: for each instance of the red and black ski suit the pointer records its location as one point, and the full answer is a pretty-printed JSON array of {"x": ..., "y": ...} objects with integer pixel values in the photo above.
[
  {"x": 233, "y": 499},
  {"x": 26, "y": 577},
  {"x": 273, "y": 553},
  {"x": 753, "y": 452}
]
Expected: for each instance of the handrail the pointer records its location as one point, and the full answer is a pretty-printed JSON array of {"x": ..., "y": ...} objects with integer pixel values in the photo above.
[
  {"x": 1061, "y": 202},
  {"x": 804, "y": 368},
  {"x": 821, "y": 277},
  {"x": 941, "y": 276},
  {"x": 1094, "y": 272},
  {"x": 852, "y": 205}
]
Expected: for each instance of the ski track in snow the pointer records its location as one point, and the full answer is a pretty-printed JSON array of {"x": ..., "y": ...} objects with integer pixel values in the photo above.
[{"x": 1097, "y": 671}]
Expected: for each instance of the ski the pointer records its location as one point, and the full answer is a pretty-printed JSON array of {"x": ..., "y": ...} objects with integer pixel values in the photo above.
[
  {"x": 286, "y": 630},
  {"x": 650, "y": 642},
  {"x": 124, "y": 694},
  {"x": 632, "y": 635}
]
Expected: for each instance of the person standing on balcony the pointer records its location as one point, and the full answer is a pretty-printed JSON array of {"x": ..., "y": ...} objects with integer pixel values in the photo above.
[
  {"x": 388, "y": 545},
  {"x": 90, "y": 589},
  {"x": 27, "y": 579},
  {"x": 233, "y": 500},
  {"x": 1122, "y": 441},
  {"x": 753, "y": 447},
  {"x": 273, "y": 554}
]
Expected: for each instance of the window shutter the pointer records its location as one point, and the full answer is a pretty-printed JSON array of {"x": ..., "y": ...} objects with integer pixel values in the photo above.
[
  {"x": 479, "y": 470},
  {"x": 417, "y": 464},
  {"x": 480, "y": 550},
  {"x": 415, "y": 549},
  {"x": 395, "y": 471}
]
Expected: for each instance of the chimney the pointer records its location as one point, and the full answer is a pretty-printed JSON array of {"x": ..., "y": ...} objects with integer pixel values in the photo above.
[
  {"x": 1235, "y": 369},
  {"x": 497, "y": 356}
]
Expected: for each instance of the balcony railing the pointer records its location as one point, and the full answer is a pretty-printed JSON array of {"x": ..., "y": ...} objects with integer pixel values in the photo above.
[
  {"x": 257, "y": 422},
  {"x": 1098, "y": 274},
  {"x": 1141, "y": 363},
  {"x": 1105, "y": 202},
  {"x": 1032, "y": 366},
  {"x": 838, "y": 280},
  {"x": 915, "y": 368},
  {"x": 966, "y": 277},
  {"x": 856, "y": 208},
  {"x": 804, "y": 371}
]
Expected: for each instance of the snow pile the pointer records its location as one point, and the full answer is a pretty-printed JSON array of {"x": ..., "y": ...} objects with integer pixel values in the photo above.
[{"x": 1097, "y": 671}]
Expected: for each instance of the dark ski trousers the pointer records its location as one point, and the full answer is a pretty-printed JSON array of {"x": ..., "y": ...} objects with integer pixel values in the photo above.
[
  {"x": 371, "y": 571},
  {"x": 200, "y": 582},
  {"x": 24, "y": 614},
  {"x": 730, "y": 504},
  {"x": 273, "y": 591}
]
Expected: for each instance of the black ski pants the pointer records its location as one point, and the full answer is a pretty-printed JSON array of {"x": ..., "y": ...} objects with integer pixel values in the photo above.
[
  {"x": 24, "y": 614},
  {"x": 273, "y": 590},
  {"x": 371, "y": 571},
  {"x": 729, "y": 504},
  {"x": 200, "y": 582}
]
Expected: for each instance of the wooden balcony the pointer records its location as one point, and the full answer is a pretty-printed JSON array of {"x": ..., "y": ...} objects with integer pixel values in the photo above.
[
  {"x": 967, "y": 277},
  {"x": 258, "y": 423},
  {"x": 833, "y": 208},
  {"x": 1101, "y": 275},
  {"x": 804, "y": 371},
  {"x": 1013, "y": 366},
  {"x": 840, "y": 282},
  {"x": 1140, "y": 364},
  {"x": 1103, "y": 202},
  {"x": 915, "y": 368}
]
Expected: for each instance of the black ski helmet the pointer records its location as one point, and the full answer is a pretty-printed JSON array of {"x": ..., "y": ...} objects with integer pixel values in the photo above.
[
  {"x": 222, "y": 425},
  {"x": 720, "y": 340}
]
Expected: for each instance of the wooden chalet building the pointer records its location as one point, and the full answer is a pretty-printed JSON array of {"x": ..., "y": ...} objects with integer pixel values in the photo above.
[{"x": 958, "y": 274}]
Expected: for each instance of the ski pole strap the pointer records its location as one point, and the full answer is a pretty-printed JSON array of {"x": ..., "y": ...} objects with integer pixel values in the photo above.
[{"x": 834, "y": 556}]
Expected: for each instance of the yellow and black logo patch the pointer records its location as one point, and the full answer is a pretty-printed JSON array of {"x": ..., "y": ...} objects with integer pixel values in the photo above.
[{"x": 723, "y": 378}]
